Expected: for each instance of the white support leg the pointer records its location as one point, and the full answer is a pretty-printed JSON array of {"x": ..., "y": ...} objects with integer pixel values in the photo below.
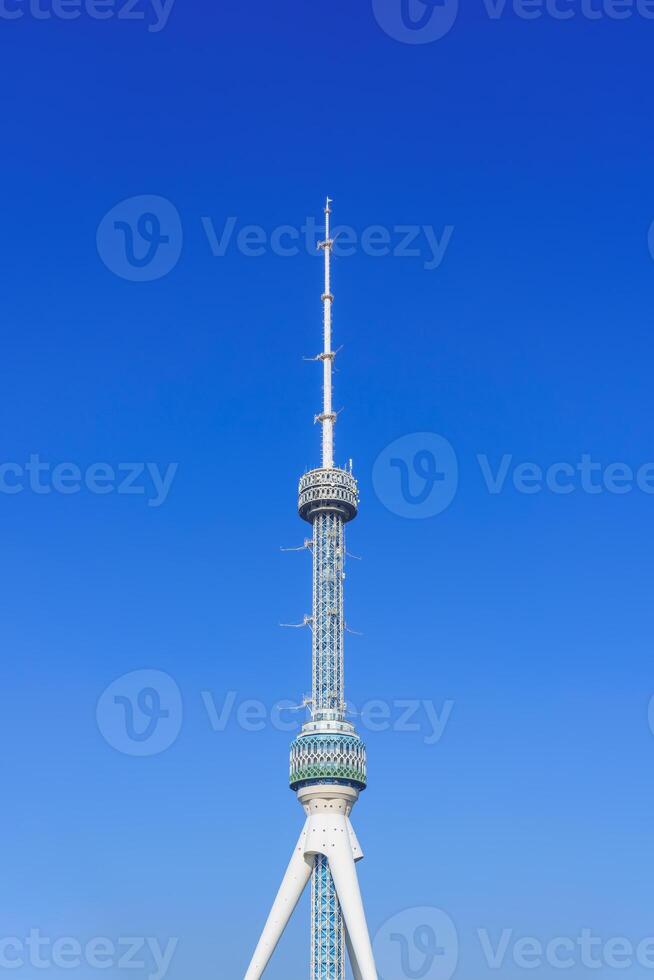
[
  {"x": 294, "y": 883},
  {"x": 356, "y": 972},
  {"x": 341, "y": 865}
]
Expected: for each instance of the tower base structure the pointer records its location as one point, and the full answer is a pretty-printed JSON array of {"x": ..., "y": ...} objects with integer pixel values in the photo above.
[{"x": 327, "y": 832}]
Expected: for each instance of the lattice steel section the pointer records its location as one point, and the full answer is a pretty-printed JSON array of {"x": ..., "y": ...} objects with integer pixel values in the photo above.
[
  {"x": 328, "y": 545},
  {"x": 328, "y": 499},
  {"x": 328, "y": 939}
]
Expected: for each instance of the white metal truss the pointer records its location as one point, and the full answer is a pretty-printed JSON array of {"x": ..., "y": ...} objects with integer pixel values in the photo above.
[{"x": 327, "y": 417}]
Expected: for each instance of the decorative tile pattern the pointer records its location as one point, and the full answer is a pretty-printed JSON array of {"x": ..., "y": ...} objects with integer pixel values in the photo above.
[{"x": 328, "y": 757}]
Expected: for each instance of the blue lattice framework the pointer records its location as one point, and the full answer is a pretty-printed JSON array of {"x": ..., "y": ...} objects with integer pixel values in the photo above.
[
  {"x": 328, "y": 499},
  {"x": 328, "y": 751},
  {"x": 328, "y": 939}
]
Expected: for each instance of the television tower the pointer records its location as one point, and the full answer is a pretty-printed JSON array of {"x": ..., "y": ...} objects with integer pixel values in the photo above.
[{"x": 328, "y": 759}]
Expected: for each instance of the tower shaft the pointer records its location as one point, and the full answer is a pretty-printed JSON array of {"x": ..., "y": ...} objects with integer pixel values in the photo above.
[
  {"x": 328, "y": 552},
  {"x": 327, "y": 931}
]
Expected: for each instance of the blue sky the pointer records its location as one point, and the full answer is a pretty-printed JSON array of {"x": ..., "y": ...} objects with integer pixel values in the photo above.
[{"x": 521, "y": 620}]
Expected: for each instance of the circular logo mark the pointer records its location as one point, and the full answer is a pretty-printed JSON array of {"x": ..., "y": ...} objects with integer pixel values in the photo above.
[
  {"x": 141, "y": 238},
  {"x": 141, "y": 713},
  {"x": 416, "y": 476},
  {"x": 417, "y": 944},
  {"x": 416, "y": 21}
]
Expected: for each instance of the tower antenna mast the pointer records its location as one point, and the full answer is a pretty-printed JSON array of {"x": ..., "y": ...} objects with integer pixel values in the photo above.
[{"x": 328, "y": 416}]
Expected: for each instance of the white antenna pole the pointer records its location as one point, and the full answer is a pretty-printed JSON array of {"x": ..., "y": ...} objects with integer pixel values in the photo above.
[{"x": 328, "y": 417}]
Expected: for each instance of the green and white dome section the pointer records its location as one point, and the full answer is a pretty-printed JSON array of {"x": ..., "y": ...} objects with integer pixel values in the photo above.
[{"x": 328, "y": 758}]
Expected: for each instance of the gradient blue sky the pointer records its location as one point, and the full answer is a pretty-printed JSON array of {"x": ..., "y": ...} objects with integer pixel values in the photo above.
[{"x": 532, "y": 613}]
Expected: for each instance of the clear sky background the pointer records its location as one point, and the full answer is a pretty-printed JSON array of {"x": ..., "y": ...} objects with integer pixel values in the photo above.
[{"x": 530, "y": 612}]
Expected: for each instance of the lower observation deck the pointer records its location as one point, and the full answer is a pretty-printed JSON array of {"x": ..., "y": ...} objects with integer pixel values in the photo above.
[
  {"x": 328, "y": 758},
  {"x": 328, "y": 491}
]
